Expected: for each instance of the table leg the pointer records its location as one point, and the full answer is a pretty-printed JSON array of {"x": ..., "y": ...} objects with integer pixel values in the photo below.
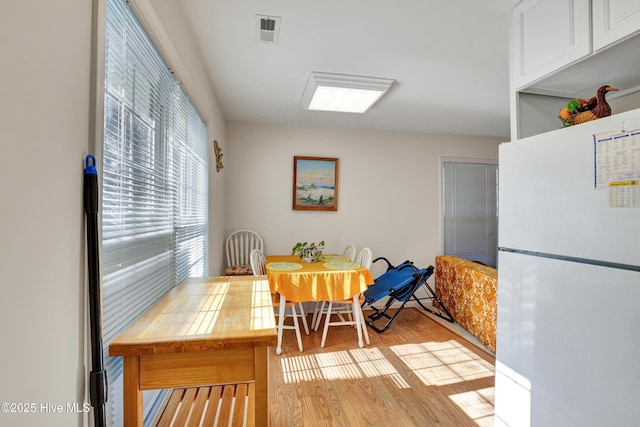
[
  {"x": 363, "y": 324},
  {"x": 132, "y": 395},
  {"x": 262, "y": 386},
  {"x": 281, "y": 311},
  {"x": 356, "y": 315}
]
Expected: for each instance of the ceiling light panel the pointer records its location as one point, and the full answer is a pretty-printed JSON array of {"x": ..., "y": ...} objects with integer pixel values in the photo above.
[{"x": 343, "y": 93}]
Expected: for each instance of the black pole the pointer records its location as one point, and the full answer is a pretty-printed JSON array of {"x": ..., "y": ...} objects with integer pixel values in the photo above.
[{"x": 98, "y": 377}]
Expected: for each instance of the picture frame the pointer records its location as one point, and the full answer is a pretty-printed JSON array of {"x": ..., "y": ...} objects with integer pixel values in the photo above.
[{"x": 315, "y": 183}]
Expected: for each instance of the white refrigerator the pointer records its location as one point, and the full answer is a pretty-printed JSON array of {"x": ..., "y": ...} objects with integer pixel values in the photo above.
[{"x": 568, "y": 327}]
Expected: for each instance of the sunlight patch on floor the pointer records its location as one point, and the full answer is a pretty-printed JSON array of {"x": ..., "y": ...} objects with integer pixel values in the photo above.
[
  {"x": 300, "y": 368},
  {"x": 337, "y": 365},
  {"x": 374, "y": 364},
  {"x": 340, "y": 365},
  {"x": 442, "y": 363},
  {"x": 478, "y": 405},
  {"x": 434, "y": 363}
]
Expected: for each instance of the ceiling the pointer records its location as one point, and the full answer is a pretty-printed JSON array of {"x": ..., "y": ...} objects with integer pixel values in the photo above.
[{"x": 449, "y": 60}]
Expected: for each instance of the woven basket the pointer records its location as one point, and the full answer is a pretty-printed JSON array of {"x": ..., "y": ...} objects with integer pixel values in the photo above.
[{"x": 576, "y": 119}]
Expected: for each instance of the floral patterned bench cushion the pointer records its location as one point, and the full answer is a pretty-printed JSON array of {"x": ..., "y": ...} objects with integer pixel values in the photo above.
[
  {"x": 468, "y": 290},
  {"x": 238, "y": 270}
]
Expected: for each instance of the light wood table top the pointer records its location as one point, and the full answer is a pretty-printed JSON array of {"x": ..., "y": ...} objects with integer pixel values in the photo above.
[
  {"x": 209, "y": 313},
  {"x": 211, "y": 330}
]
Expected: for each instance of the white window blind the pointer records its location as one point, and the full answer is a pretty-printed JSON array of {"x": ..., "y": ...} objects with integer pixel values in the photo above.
[
  {"x": 470, "y": 211},
  {"x": 154, "y": 186}
]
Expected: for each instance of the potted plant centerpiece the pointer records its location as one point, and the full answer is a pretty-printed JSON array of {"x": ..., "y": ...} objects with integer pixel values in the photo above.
[{"x": 308, "y": 252}]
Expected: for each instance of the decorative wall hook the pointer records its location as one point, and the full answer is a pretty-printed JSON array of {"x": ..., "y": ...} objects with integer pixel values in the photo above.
[{"x": 218, "y": 152}]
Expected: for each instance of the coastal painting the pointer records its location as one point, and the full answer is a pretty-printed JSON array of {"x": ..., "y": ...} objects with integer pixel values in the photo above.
[{"x": 315, "y": 183}]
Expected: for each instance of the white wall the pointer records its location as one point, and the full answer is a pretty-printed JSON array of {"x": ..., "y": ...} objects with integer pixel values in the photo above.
[
  {"x": 45, "y": 134},
  {"x": 625, "y": 103},
  {"x": 388, "y": 196},
  {"x": 44, "y": 122}
]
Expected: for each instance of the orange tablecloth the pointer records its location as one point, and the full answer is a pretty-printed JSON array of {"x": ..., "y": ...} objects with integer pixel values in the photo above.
[{"x": 334, "y": 279}]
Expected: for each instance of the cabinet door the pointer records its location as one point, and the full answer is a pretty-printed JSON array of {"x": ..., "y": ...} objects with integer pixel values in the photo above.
[
  {"x": 548, "y": 35},
  {"x": 614, "y": 20}
]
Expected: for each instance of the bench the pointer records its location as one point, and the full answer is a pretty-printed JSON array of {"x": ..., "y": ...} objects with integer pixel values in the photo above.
[
  {"x": 209, "y": 406},
  {"x": 469, "y": 291}
]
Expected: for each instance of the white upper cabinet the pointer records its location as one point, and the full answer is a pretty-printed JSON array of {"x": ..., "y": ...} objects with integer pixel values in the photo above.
[
  {"x": 614, "y": 20},
  {"x": 548, "y": 35},
  {"x": 564, "y": 49}
]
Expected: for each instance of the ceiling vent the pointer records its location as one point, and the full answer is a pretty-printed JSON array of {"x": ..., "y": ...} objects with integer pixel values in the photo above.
[{"x": 267, "y": 28}]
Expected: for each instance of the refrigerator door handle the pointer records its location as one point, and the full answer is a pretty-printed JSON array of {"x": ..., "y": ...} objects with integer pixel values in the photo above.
[{"x": 601, "y": 263}]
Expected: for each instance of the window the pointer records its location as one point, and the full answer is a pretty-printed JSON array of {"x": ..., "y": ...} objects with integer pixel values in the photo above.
[
  {"x": 154, "y": 186},
  {"x": 470, "y": 211}
]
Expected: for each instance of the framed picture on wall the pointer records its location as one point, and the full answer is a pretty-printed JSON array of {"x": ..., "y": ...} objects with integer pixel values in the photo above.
[{"x": 315, "y": 183}]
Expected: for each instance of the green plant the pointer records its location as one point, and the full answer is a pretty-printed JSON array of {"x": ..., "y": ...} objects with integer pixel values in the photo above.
[{"x": 306, "y": 250}]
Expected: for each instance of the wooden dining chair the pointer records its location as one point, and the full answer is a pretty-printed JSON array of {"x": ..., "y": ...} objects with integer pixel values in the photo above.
[
  {"x": 344, "y": 309},
  {"x": 350, "y": 252},
  {"x": 257, "y": 262},
  {"x": 339, "y": 308},
  {"x": 238, "y": 248},
  {"x": 320, "y": 306},
  {"x": 365, "y": 258},
  {"x": 258, "y": 268}
]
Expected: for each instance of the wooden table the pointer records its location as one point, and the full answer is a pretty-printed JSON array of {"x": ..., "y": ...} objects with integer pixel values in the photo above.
[
  {"x": 333, "y": 279},
  {"x": 211, "y": 330}
]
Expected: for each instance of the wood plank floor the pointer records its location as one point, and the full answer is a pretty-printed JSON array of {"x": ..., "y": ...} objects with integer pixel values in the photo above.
[{"x": 417, "y": 373}]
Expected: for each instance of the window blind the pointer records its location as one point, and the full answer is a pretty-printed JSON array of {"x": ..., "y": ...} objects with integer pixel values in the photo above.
[
  {"x": 154, "y": 186},
  {"x": 470, "y": 211}
]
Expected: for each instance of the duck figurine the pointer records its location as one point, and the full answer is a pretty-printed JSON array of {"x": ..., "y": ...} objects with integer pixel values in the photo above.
[{"x": 593, "y": 109}]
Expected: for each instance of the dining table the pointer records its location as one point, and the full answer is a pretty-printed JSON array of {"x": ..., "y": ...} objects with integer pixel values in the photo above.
[
  {"x": 204, "y": 331},
  {"x": 334, "y": 278}
]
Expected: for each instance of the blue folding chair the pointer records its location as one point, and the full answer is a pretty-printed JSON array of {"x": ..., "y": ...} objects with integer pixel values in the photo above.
[{"x": 400, "y": 283}]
